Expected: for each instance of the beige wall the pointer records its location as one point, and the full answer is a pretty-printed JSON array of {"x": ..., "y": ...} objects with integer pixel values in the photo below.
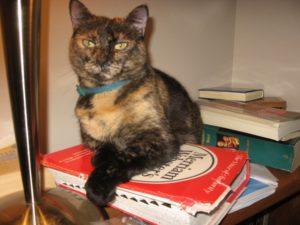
[
  {"x": 192, "y": 40},
  {"x": 200, "y": 42},
  {"x": 267, "y": 47}
]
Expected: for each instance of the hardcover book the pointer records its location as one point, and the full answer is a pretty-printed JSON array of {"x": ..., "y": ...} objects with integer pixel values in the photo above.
[
  {"x": 231, "y": 93},
  {"x": 198, "y": 187},
  {"x": 276, "y": 154},
  {"x": 274, "y": 102},
  {"x": 254, "y": 119}
]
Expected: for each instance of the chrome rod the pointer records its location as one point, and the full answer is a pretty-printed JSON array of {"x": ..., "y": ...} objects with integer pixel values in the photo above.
[{"x": 20, "y": 21}]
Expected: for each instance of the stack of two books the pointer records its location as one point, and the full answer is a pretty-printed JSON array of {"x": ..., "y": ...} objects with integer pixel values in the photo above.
[
  {"x": 271, "y": 136},
  {"x": 199, "y": 187},
  {"x": 247, "y": 95}
]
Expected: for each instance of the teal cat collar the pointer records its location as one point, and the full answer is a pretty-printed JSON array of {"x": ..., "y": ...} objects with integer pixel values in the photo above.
[{"x": 82, "y": 91}]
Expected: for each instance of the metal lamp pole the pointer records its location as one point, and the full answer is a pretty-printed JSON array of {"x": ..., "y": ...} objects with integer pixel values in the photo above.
[
  {"x": 20, "y": 22},
  {"x": 21, "y": 32}
]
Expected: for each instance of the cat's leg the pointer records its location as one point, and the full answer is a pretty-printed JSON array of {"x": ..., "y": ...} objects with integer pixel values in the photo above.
[{"x": 114, "y": 166}]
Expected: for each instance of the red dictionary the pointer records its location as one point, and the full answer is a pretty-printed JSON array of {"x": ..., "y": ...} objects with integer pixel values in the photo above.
[{"x": 198, "y": 187}]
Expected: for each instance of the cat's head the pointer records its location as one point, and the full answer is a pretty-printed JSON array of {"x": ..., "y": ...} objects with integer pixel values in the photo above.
[{"x": 104, "y": 50}]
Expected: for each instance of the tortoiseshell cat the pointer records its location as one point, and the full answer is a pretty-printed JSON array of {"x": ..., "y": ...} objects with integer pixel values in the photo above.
[{"x": 134, "y": 116}]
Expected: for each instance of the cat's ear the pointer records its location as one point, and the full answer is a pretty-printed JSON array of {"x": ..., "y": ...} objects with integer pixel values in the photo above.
[
  {"x": 79, "y": 13},
  {"x": 138, "y": 17}
]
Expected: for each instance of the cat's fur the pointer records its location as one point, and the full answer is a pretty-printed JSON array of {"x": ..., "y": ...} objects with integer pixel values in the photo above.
[{"x": 137, "y": 126}]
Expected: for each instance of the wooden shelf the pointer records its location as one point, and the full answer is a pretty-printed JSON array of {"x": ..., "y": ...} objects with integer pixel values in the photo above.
[{"x": 288, "y": 190}]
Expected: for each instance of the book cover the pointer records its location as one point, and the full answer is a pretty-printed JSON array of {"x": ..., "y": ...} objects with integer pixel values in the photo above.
[
  {"x": 255, "y": 191},
  {"x": 201, "y": 179},
  {"x": 274, "y": 102},
  {"x": 231, "y": 93},
  {"x": 261, "y": 185},
  {"x": 276, "y": 154},
  {"x": 250, "y": 118}
]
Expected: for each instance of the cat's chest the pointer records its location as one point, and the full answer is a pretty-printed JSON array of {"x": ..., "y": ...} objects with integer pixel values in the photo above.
[
  {"x": 105, "y": 118},
  {"x": 102, "y": 118}
]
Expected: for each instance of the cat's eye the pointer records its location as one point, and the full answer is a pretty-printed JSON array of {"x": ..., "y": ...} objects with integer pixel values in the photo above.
[
  {"x": 88, "y": 43},
  {"x": 121, "y": 45}
]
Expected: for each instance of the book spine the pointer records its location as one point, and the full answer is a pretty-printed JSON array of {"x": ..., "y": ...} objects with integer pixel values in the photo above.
[{"x": 262, "y": 151}]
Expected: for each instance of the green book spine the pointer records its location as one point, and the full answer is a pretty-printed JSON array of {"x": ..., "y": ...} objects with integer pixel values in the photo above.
[{"x": 279, "y": 155}]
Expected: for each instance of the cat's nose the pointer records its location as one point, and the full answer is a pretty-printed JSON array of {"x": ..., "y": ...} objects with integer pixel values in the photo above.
[{"x": 100, "y": 62}]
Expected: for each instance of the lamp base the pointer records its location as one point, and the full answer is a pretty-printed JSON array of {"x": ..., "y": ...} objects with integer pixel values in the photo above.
[{"x": 58, "y": 207}]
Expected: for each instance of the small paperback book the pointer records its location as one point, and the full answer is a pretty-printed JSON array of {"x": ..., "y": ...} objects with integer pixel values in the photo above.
[
  {"x": 231, "y": 93},
  {"x": 198, "y": 187}
]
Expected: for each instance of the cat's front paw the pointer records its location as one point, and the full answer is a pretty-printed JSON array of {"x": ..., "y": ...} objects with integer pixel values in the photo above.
[{"x": 100, "y": 191}]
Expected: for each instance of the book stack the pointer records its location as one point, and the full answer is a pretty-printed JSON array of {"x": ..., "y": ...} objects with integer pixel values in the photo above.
[
  {"x": 242, "y": 94},
  {"x": 271, "y": 136},
  {"x": 198, "y": 187}
]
